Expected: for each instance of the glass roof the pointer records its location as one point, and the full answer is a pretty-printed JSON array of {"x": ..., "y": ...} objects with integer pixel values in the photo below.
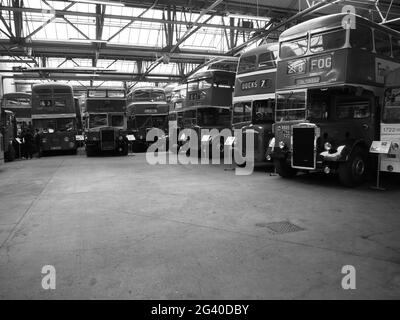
[{"x": 120, "y": 28}]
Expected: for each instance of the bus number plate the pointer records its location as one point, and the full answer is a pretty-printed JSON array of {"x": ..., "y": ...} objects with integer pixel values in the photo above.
[{"x": 296, "y": 67}]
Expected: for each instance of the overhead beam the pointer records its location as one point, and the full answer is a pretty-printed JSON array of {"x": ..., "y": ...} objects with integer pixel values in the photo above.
[{"x": 65, "y": 12}]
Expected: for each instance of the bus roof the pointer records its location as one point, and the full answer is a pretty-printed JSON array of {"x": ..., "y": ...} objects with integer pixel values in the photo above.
[
  {"x": 36, "y": 87},
  {"x": 328, "y": 22},
  {"x": 392, "y": 80},
  {"x": 145, "y": 88},
  {"x": 210, "y": 73},
  {"x": 10, "y": 95},
  {"x": 261, "y": 49}
]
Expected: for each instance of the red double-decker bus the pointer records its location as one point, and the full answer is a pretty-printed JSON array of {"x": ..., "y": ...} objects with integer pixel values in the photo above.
[
  {"x": 254, "y": 97},
  {"x": 55, "y": 116},
  {"x": 330, "y": 84}
]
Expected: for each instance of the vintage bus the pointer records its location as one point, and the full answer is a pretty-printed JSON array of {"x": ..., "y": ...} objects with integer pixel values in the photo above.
[
  {"x": 176, "y": 105},
  {"x": 390, "y": 123},
  {"x": 20, "y": 104},
  {"x": 147, "y": 109},
  {"x": 330, "y": 84},
  {"x": 8, "y": 128},
  {"x": 105, "y": 122},
  {"x": 208, "y": 105},
  {"x": 54, "y": 116},
  {"x": 254, "y": 97}
]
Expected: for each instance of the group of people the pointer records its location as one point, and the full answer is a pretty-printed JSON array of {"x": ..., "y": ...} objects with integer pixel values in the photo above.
[{"x": 27, "y": 143}]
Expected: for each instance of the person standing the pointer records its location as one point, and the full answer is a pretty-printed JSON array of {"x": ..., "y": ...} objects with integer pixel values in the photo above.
[
  {"x": 28, "y": 138},
  {"x": 38, "y": 142}
]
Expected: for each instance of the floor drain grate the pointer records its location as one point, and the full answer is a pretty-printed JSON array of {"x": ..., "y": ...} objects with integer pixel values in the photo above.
[{"x": 281, "y": 227}]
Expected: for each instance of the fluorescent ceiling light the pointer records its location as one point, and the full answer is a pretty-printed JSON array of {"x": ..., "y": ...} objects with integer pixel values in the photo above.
[
  {"x": 109, "y": 3},
  {"x": 242, "y": 16}
]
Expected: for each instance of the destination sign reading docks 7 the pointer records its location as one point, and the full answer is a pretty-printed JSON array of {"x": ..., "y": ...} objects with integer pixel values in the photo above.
[{"x": 263, "y": 83}]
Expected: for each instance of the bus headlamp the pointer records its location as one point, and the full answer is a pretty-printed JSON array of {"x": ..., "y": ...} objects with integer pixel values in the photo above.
[
  {"x": 66, "y": 139},
  {"x": 328, "y": 146},
  {"x": 120, "y": 138},
  {"x": 282, "y": 144},
  {"x": 395, "y": 146}
]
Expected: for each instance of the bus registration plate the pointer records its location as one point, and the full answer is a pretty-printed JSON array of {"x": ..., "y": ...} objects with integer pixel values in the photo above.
[{"x": 296, "y": 66}]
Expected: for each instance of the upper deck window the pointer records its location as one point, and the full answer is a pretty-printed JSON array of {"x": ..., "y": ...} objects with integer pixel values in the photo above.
[
  {"x": 193, "y": 86},
  {"x": 223, "y": 82},
  {"x": 97, "y": 93},
  {"x": 293, "y": 48},
  {"x": 59, "y": 103},
  {"x": 267, "y": 60},
  {"x": 328, "y": 41},
  {"x": 46, "y": 103},
  {"x": 158, "y": 96},
  {"x": 116, "y": 94},
  {"x": 141, "y": 95},
  {"x": 396, "y": 46},
  {"x": 382, "y": 43},
  {"x": 17, "y": 101},
  {"x": 361, "y": 37},
  {"x": 205, "y": 84},
  {"x": 247, "y": 64}
]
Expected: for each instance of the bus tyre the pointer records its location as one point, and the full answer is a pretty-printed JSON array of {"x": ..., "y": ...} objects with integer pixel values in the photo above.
[
  {"x": 284, "y": 169},
  {"x": 353, "y": 172},
  {"x": 89, "y": 152},
  {"x": 10, "y": 153}
]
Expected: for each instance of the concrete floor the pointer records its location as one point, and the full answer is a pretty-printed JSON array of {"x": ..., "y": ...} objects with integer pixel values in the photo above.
[{"x": 116, "y": 227}]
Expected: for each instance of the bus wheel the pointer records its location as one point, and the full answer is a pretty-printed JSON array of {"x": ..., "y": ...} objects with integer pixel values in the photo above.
[
  {"x": 354, "y": 171},
  {"x": 89, "y": 152},
  {"x": 284, "y": 170}
]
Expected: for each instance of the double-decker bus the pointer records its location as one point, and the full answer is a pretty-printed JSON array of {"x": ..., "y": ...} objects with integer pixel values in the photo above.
[
  {"x": 176, "y": 105},
  {"x": 8, "y": 128},
  {"x": 54, "y": 116},
  {"x": 208, "y": 105},
  {"x": 254, "y": 97},
  {"x": 330, "y": 84},
  {"x": 104, "y": 115},
  {"x": 20, "y": 104},
  {"x": 390, "y": 123},
  {"x": 147, "y": 109}
]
